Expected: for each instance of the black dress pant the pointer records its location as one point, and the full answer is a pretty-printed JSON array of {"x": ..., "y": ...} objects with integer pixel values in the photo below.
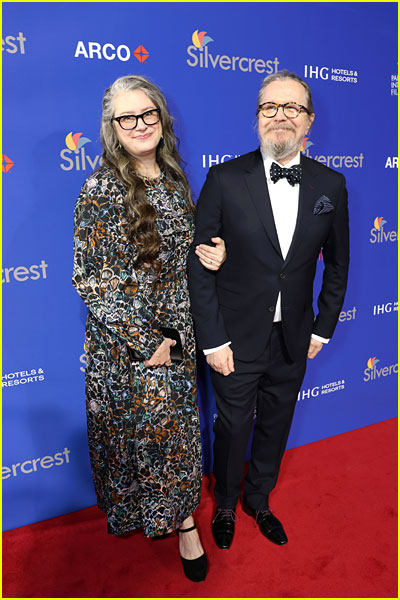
[{"x": 269, "y": 387}]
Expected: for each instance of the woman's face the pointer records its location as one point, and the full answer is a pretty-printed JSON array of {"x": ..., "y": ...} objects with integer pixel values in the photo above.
[{"x": 141, "y": 142}]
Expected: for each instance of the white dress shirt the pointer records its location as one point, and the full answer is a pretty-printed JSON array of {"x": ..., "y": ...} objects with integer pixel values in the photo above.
[{"x": 285, "y": 204}]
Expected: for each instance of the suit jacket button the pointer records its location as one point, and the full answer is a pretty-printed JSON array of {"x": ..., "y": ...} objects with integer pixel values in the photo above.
[
  {"x": 282, "y": 275},
  {"x": 271, "y": 309}
]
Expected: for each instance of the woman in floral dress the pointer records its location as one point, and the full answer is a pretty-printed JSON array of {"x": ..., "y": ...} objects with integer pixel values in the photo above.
[{"x": 133, "y": 229}]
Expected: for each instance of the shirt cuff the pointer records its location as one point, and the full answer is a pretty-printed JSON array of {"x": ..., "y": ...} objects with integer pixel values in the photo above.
[
  {"x": 319, "y": 338},
  {"x": 211, "y": 350}
]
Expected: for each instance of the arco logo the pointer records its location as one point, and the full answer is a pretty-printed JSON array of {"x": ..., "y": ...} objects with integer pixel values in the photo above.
[
  {"x": 200, "y": 39},
  {"x": 6, "y": 163},
  {"x": 141, "y": 54},
  {"x": 108, "y": 51},
  {"x": 75, "y": 157}
]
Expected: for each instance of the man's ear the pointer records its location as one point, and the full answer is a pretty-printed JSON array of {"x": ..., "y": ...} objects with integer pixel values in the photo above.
[{"x": 310, "y": 123}]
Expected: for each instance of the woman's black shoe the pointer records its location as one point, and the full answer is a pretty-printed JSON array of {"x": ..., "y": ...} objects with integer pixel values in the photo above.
[{"x": 195, "y": 569}]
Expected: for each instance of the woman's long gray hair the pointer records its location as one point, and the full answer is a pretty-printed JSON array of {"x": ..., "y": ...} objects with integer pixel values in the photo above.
[{"x": 141, "y": 214}]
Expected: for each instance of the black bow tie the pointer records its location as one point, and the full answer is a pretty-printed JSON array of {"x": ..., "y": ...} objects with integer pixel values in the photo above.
[{"x": 293, "y": 174}]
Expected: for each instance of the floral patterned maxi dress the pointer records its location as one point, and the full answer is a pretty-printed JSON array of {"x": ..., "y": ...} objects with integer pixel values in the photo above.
[{"x": 143, "y": 423}]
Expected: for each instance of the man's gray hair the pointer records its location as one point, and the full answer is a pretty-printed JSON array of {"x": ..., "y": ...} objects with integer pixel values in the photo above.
[{"x": 281, "y": 76}]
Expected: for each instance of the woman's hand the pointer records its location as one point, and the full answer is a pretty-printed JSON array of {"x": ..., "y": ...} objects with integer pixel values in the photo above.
[
  {"x": 161, "y": 356},
  {"x": 212, "y": 257}
]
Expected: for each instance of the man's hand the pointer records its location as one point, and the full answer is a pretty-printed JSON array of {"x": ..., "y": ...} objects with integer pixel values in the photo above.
[
  {"x": 314, "y": 348},
  {"x": 221, "y": 361},
  {"x": 212, "y": 257},
  {"x": 161, "y": 356}
]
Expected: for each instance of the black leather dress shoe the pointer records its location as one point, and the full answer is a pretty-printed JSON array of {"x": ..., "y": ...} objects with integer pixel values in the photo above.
[
  {"x": 269, "y": 525},
  {"x": 223, "y": 527}
]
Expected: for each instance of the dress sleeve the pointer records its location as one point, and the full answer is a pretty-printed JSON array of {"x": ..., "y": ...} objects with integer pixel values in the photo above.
[{"x": 105, "y": 277}]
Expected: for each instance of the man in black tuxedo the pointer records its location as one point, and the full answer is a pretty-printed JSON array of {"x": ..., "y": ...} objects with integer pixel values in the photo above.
[{"x": 254, "y": 319}]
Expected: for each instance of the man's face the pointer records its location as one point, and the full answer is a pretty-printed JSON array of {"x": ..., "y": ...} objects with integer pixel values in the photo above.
[{"x": 281, "y": 137}]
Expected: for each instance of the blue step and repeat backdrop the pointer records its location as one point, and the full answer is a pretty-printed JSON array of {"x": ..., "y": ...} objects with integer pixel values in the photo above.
[{"x": 209, "y": 59}]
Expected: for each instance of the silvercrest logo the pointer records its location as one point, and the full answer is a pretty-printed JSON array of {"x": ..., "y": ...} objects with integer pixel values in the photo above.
[
  {"x": 201, "y": 57},
  {"x": 373, "y": 372},
  {"x": 379, "y": 235},
  {"x": 75, "y": 157}
]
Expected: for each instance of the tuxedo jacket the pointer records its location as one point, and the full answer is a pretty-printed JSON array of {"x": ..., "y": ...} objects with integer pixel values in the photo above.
[{"x": 237, "y": 303}]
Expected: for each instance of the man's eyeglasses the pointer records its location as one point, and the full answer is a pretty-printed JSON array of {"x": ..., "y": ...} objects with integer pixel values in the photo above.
[
  {"x": 291, "y": 110},
  {"x": 150, "y": 117}
]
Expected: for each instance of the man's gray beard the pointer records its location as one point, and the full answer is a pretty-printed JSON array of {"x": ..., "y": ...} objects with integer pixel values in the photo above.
[{"x": 281, "y": 150}]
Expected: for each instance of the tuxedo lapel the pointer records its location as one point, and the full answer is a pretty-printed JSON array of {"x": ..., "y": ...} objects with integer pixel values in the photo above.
[
  {"x": 257, "y": 185},
  {"x": 305, "y": 211}
]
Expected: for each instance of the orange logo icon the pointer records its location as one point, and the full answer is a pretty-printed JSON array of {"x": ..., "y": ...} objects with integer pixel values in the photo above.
[
  {"x": 141, "y": 53},
  {"x": 6, "y": 163}
]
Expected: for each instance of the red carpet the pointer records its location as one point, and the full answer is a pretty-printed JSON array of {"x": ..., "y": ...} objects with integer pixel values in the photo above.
[{"x": 336, "y": 498}]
